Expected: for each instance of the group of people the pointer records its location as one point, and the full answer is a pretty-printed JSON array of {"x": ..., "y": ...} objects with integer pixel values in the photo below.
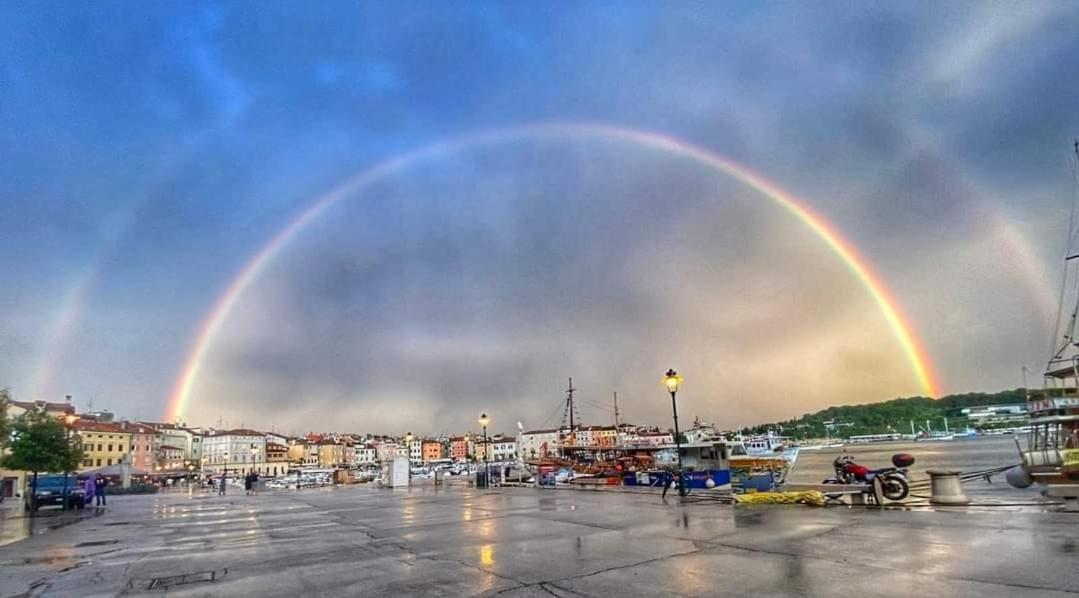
[
  {"x": 250, "y": 480},
  {"x": 94, "y": 490}
]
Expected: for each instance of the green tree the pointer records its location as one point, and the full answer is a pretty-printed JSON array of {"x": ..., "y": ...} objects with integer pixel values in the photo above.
[
  {"x": 40, "y": 443},
  {"x": 5, "y": 425}
]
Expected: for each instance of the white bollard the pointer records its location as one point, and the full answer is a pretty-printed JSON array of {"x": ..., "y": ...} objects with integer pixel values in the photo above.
[{"x": 946, "y": 488}]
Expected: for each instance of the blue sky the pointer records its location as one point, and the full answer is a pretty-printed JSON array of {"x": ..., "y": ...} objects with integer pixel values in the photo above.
[{"x": 149, "y": 150}]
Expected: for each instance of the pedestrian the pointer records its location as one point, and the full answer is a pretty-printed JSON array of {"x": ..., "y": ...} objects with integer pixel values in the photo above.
[
  {"x": 89, "y": 490},
  {"x": 248, "y": 483},
  {"x": 254, "y": 482},
  {"x": 99, "y": 490},
  {"x": 221, "y": 486}
]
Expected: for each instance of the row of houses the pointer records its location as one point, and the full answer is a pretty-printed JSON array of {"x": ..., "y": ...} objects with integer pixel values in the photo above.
[
  {"x": 541, "y": 443},
  {"x": 176, "y": 449}
]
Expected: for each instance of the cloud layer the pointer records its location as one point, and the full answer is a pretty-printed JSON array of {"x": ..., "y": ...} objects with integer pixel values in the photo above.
[{"x": 149, "y": 153}]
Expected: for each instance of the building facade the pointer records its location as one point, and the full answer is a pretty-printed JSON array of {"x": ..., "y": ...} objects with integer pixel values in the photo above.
[
  {"x": 536, "y": 444},
  {"x": 431, "y": 450},
  {"x": 459, "y": 448},
  {"x": 240, "y": 450},
  {"x": 103, "y": 444}
]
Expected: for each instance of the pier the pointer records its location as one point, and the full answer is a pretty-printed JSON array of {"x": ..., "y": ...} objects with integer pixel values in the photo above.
[{"x": 517, "y": 542}]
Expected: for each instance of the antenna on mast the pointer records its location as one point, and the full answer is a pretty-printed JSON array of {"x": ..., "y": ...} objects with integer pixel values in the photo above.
[{"x": 616, "y": 412}]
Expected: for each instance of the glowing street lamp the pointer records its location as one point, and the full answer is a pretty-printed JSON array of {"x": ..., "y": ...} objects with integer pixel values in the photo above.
[
  {"x": 484, "y": 420},
  {"x": 672, "y": 381}
]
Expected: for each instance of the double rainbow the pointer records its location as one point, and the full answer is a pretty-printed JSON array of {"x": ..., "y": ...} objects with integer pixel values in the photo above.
[{"x": 799, "y": 208}]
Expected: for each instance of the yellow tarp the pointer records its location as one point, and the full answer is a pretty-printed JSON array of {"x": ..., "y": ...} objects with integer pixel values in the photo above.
[{"x": 807, "y": 497}]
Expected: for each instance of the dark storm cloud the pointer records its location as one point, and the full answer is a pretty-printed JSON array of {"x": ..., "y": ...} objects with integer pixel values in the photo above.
[{"x": 164, "y": 146}]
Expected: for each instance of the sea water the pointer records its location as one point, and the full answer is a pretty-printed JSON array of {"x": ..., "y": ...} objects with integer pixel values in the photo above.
[{"x": 961, "y": 454}]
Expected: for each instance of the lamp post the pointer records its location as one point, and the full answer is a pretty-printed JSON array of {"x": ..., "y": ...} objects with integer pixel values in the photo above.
[
  {"x": 672, "y": 380},
  {"x": 484, "y": 420},
  {"x": 224, "y": 474},
  {"x": 69, "y": 423}
]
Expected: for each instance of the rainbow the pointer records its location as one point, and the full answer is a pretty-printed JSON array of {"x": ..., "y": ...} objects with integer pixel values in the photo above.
[{"x": 799, "y": 208}]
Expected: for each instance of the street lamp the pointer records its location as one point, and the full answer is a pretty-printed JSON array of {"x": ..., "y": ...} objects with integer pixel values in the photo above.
[
  {"x": 484, "y": 420},
  {"x": 224, "y": 474},
  {"x": 672, "y": 381},
  {"x": 69, "y": 423}
]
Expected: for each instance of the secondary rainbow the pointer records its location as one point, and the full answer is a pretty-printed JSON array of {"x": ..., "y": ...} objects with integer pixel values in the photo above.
[{"x": 889, "y": 307}]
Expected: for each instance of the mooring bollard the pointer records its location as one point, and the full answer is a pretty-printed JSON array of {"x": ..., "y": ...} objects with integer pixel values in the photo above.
[{"x": 946, "y": 488}]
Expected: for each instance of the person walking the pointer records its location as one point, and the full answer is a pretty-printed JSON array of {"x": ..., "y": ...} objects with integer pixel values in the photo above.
[
  {"x": 248, "y": 483},
  {"x": 99, "y": 490},
  {"x": 221, "y": 486},
  {"x": 89, "y": 487}
]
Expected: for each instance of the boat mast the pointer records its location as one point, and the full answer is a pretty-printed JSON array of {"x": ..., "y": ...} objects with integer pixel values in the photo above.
[{"x": 1068, "y": 338}]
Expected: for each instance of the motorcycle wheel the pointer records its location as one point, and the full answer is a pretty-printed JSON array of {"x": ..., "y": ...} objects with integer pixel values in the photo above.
[
  {"x": 894, "y": 487},
  {"x": 832, "y": 481}
]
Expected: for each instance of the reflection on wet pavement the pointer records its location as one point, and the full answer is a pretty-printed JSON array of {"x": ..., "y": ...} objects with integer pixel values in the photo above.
[
  {"x": 16, "y": 523},
  {"x": 526, "y": 542}
]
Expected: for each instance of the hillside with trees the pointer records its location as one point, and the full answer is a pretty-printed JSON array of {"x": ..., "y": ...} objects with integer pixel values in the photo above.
[{"x": 895, "y": 415}]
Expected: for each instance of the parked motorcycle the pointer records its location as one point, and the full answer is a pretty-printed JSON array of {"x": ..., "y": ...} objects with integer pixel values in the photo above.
[{"x": 893, "y": 480}]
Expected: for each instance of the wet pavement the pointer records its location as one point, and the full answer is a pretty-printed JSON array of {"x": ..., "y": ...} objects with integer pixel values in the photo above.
[
  {"x": 16, "y": 523},
  {"x": 519, "y": 542}
]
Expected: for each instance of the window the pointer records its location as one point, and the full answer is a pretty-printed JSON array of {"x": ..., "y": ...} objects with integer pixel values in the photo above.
[
  {"x": 110, "y": 450},
  {"x": 109, "y": 462},
  {"x": 87, "y": 462},
  {"x": 120, "y": 448},
  {"x": 99, "y": 448},
  {"x": 99, "y": 462}
]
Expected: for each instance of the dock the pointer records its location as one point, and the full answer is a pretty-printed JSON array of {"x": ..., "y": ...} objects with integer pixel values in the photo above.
[{"x": 524, "y": 542}]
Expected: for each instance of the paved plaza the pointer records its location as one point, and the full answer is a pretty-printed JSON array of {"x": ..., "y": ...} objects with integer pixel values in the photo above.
[{"x": 515, "y": 542}]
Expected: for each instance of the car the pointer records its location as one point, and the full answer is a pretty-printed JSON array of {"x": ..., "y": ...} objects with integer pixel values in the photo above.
[{"x": 49, "y": 491}]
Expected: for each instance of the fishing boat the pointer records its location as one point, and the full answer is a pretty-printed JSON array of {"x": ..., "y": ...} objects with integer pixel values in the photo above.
[{"x": 705, "y": 465}]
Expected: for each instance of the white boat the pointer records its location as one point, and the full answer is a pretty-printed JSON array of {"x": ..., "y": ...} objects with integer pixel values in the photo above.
[{"x": 763, "y": 446}]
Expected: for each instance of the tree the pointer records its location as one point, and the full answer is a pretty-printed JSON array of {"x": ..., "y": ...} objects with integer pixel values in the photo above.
[
  {"x": 5, "y": 425},
  {"x": 40, "y": 443}
]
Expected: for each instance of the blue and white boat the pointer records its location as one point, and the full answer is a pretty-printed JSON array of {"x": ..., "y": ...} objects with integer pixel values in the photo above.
[{"x": 705, "y": 463}]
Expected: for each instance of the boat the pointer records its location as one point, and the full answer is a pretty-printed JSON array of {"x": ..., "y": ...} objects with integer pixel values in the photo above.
[
  {"x": 705, "y": 465},
  {"x": 1050, "y": 453}
]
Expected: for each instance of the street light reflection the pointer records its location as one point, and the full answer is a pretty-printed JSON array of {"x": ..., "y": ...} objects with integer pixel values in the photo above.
[{"x": 487, "y": 555}]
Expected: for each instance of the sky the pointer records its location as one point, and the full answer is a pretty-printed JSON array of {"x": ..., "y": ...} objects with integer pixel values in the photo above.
[{"x": 493, "y": 222}]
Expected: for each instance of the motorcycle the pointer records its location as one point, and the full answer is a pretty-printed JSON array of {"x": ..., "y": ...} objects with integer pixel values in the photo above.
[{"x": 893, "y": 480}]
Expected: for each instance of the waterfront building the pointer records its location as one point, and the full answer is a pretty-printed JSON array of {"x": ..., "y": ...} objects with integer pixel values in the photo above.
[
  {"x": 143, "y": 440},
  {"x": 459, "y": 448},
  {"x": 536, "y": 444},
  {"x": 276, "y": 459},
  {"x": 170, "y": 458},
  {"x": 241, "y": 450},
  {"x": 364, "y": 454},
  {"x": 103, "y": 444},
  {"x": 431, "y": 450},
  {"x": 331, "y": 454},
  {"x": 177, "y": 435},
  {"x": 503, "y": 448},
  {"x": 387, "y": 450},
  {"x": 415, "y": 451}
]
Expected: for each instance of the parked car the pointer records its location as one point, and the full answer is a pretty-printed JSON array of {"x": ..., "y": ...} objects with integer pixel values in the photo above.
[{"x": 49, "y": 491}]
